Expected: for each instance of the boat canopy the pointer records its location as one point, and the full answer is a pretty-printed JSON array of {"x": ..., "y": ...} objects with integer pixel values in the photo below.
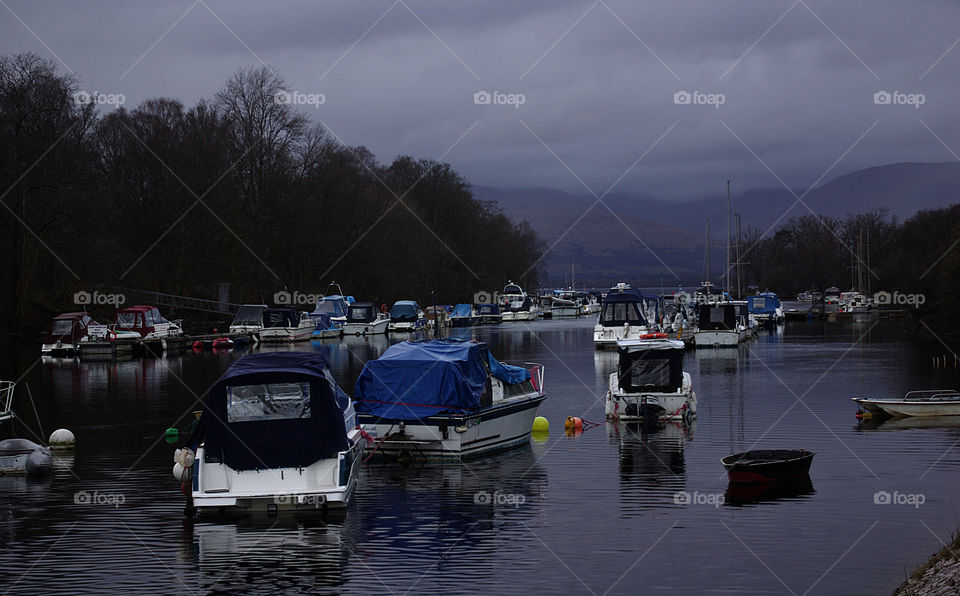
[
  {"x": 281, "y": 317},
  {"x": 417, "y": 379},
  {"x": 764, "y": 303},
  {"x": 72, "y": 324},
  {"x": 362, "y": 312},
  {"x": 655, "y": 365},
  {"x": 249, "y": 314},
  {"x": 622, "y": 308},
  {"x": 140, "y": 316},
  {"x": 274, "y": 410},
  {"x": 323, "y": 321},
  {"x": 717, "y": 316},
  {"x": 404, "y": 311},
  {"x": 335, "y": 306},
  {"x": 513, "y": 289},
  {"x": 463, "y": 310}
]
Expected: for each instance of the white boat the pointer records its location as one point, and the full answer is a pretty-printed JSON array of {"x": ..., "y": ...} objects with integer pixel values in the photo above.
[
  {"x": 335, "y": 306},
  {"x": 625, "y": 314},
  {"x": 66, "y": 330},
  {"x": 406, "y": 315},
  {"x": 286, "y": 325},
  {"x": 766, "y": 308},
  {"x": 564, "y": 304},
  {"x": 446, "y": 398},
  {"x": 516, "y": 305},
  {"x": 325, "y": 327},
  {"x": 719, "y": 325},
  {"x": 20, "y": 456},
  {"x": 249, "y": 319},
  {"x": 276, "y": 434},
  {"x": 936, "y": 402},
  {"x": 364, "y": 318},
  {"x": 650, "y": 382},
  {"x": 855, "y": 303}
]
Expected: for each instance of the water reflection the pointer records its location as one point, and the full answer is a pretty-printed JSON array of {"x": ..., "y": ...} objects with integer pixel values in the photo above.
[
  {"x": 651, "y": 464},
  {"x": 750, "y": 494},
  {"x": 910, "y": 423}
]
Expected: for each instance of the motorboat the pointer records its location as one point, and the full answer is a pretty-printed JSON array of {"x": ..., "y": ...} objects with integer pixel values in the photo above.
[
  {"x": 446, "y": 398},
  {"x": 155, "y": 331},
  {"x": 516, "y": 305},
  {"x": 364, "y": 318},
  {"x": 933, "y": 402},
  {"x": 564, "y": 305},
  {"x": 768, "y": 465},
  {"x": 276, "y": 434},
  {"x": 489, "y": 313},
  {"x": 679, "y": 319},
  {"x": 625, "y": 314},
  {"x": 406, "y": 315},
  {"x": 334, "y": 305},
  {"x": 66, "y": 330},
  {"x": 719, "y": 324},
  {"x": 766, "y": 308},
  {"x": 463, "y": 316},
  {"x": 325, "y": 327},
  {"x": 286, "y": 324},
  {"x": 855, "y": 303},
  {"x": 437, "y": 314},
  {"x": 650, "y": 383},
  {"x": 249, "y": 319}
]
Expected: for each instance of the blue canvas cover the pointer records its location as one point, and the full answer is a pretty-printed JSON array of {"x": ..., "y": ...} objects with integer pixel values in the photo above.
[
  {"x": 323, "y": 320},
  {"x": 488, "y": 308},
  {"x": 507, "y": 373},
  {"x": 404, "y": 311},
  {"x": 267, "y": 440},
  {"x": 764, "y": 303},
  {"x": 462, "y": 310},
  {"x": 414, "y": 380},
  {"x": 333, "y": 305}
]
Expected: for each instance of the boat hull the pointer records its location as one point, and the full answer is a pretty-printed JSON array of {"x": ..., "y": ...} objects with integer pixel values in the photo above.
[
  {"x": 518, "y": 316},
  {"x": 903, "y": 408},
  {"x": 767, "y": 465},
  {"x": 606, "y": 338},
  {"x": 677, "y": 405},
  {"x": 717, "y": 339},
  {"x": 372, "y": 328},
  {"x": 457, "y": 436},
  {"x": 286, "y": 334}
]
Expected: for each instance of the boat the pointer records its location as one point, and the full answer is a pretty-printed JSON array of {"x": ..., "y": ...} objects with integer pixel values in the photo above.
[
  {"x": 325, "y": 327},
  {"x": 679, "y": 319},
  {"x": 286, "y": 324},
  {"x": 488, "y": 313},
  {"x": 437, "y": 313},
  {"x": 446, "y": 398},
  {"x": 222, "y": 343},
  {"x": 719, "y": 324},
  {"x": 516, "y": 305},
  {"x": 565, "y": 304},
  {"x": 406, "y": 315},
  {"x": 650, "y": 383},
  {"x": 767, "y": 465},
  {"x": 766, "y": 308},
  {"x": 276, "y": 434},
  {"x": 66, "y": 330},
  {"x": 364, "y": 318},
  {"x": 156, "y": 332},
  {"x": 463, "y": 316},
  {"x": 625, "y": 314},
  {"x": 932, "y": 402},
  {"x": 855, "y": 303},
  {"x": 249, "y": 319},
  {"x": 334, "y": 305},
  {"x": 20, "y": 456}
]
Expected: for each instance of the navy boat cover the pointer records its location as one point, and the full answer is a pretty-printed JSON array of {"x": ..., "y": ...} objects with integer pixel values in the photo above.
[
  {"x": 404, "y": 311},
  {"x": 334, "y": 305},
  {"x": 764, "y": 303},
  {"x": 274, "y": 410},
  {"x": 462, "y": 310}
]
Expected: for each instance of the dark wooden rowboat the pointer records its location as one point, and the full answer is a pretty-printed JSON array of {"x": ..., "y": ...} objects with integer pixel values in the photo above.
[{"x": 767, "y": 465}]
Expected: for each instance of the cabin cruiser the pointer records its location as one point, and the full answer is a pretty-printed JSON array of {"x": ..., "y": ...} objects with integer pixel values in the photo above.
[
  {"x": 766, "y": 307},
  {"x": 488, "y": 313},
  {"x": 446, "y": 398},
  {"x": 516, "y": 305},
  {"x": 625, "y": 314},
  {"x": 650, "y": 383},
  {"x": 463, "y": 316},
  {"x": 335, "y": 306},
  {"x": 936, "y": 402},
  {"x": 286, "y": 324},
  {"x": 249, "y": 319},
  {"x": 276, "y": 434},
  {"x": 153, "y": 329},
  {"x": 364, "y": 318},
  {"x": 565, "y": 304},
  {"x": 66, "y": 330},
  {"x": 719, "y": 324},
  {"x": 406, "y": 315}
]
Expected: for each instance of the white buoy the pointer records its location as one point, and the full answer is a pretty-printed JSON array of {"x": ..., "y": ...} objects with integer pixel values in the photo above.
[
  {"x": 62, "y": 439},
  {"x": 181, "y": 473}
]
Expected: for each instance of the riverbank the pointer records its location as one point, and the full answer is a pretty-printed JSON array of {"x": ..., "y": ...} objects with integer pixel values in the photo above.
[{"x": 939, "y": 575}]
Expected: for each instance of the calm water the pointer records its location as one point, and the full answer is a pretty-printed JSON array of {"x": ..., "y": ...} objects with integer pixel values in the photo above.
[{"x": 594, "y": 513}]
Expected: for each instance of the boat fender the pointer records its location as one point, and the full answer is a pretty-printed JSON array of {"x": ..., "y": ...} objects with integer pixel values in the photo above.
[
  {"x": 185, "y": 457},
  {"x": 573, "y": 425},
  {"x": 181, "y": 473},
  {"x": 62, "y": 439},
  {"x": 38, "y": 462},
  {"x": 541, "y": 424}
]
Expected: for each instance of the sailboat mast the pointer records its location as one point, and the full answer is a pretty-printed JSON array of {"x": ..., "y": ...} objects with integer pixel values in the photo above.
[{"x": 727, "y": 282}]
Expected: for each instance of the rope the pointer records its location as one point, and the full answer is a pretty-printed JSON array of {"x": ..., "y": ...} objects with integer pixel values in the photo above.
[{"x": 369, "y": 437}]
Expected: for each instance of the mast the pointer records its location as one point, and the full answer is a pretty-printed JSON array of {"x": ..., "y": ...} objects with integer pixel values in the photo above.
[
  {"x": 739, "y": 286},
  {"x": 727, "y": 282},
  {"x": 706, "y": 258}
]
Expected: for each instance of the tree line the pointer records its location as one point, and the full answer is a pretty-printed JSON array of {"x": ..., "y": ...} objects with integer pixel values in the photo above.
[{"x": 241, "y": 188}]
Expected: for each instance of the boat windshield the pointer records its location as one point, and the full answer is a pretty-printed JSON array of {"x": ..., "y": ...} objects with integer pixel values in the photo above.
[
  {"x": 361, "y": 313},
  {"x": 62, "y": 326},
  {"x": 618, "y": 313},
  {"x": 249, "y": 315},
  {"x": 276, "y": 401},
  {"x": 127, "y": 320}
]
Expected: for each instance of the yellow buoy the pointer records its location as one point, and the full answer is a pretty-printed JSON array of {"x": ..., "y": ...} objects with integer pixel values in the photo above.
[{"x": 540, "y": 424}]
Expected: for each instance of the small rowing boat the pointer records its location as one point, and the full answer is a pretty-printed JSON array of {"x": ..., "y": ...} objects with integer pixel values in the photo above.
[{"x": 767, "y": 465}]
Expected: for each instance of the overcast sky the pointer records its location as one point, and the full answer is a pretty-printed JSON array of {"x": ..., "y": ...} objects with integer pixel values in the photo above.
[{"x": 797, "y": 81}]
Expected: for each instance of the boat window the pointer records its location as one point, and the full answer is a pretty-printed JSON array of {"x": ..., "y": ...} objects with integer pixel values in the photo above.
[
  {"x": 652, "y": 372},
  {"x": 361, "y": 313},
  {"x": 759, "y": 303},
  {"x": 62, "y": 327},
  {"x": 276, "y": 401},
  {"x": 127, "y": 319},
  {"x": 716, "y": 314}
]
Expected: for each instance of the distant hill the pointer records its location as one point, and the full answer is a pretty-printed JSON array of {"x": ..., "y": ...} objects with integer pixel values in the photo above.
[{"x": 607, "y": 243}]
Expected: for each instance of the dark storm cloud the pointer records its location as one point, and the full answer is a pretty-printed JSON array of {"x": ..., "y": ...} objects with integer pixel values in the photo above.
[{"x": 598, "y": 80}]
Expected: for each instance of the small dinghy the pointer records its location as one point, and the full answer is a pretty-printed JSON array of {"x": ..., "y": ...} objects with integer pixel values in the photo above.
[
  {"x": 768, "y": 465},
  {"x": 22, "y": 456}
]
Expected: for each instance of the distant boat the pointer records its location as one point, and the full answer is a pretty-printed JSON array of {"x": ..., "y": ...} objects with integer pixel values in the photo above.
[
  {"x": 147, "y": 321},
  {"x": 364, "y": 318},
  {"x": 286, "y": 324},
  {"x": 624, "y": 314},
  {"x": 464, "y": 316},
  {"x": 935, "y": 402},
  {"x": 334, "y": 305},
  {"x": 66, "y": 330},
  {"x": 406, "y": 315},
  {"x": 326, "y": 327},
  {"x": 249, "y": 319},
  {"x": 767, "y": 465},
  {"x": 719, "y": 325},
  {"x": 517, "y": 305},
  {"x": 489, "y": 313},
  {"x": 446, "y": 398},
  {"x": 766, "y": 307}
]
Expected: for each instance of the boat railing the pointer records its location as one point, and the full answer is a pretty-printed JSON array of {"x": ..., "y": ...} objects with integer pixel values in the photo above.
[
  {"x": 932, "y": 395},
  {"x": 536, "y": 374},
  {"x": 6, "y": 399}
]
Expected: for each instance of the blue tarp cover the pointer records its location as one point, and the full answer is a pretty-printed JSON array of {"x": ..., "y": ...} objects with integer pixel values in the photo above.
[
  {"x": 763, "y": 303},
  {"x": 334, "y": 305},
  {"x": 404, "y": 311},
  {"x": 507, "y": 372},
  {"x": 462, "y": 310},
  {"x": 414, "y": 380},
  {"x": 323, "y": 320}
]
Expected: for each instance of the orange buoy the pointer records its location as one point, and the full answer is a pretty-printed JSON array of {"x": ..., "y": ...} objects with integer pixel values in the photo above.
[{"x": 573, "y": 424}]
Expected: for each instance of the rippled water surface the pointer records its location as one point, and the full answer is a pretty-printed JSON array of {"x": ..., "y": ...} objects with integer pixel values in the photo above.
[{"x": 594, "y": 513}]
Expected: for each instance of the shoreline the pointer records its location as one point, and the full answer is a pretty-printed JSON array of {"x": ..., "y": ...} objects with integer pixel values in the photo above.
[{"x": 939, "y": 575}]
